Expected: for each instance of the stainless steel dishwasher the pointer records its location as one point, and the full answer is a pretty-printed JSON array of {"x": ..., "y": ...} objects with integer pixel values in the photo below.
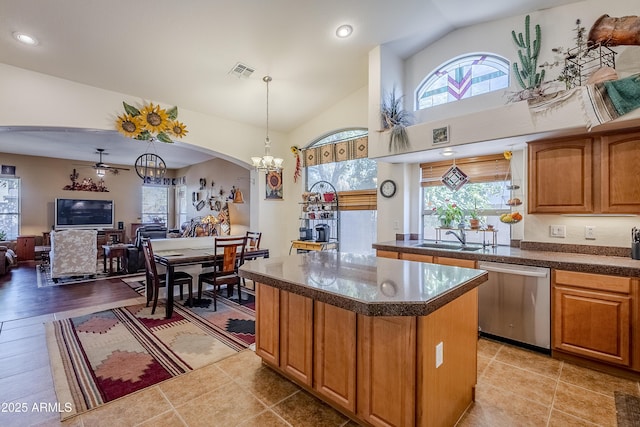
[{"x": 514, "y": 305}]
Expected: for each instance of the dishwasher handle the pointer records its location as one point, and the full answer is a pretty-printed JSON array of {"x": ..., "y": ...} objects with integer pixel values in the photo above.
[{"x": 520, "y": 270}]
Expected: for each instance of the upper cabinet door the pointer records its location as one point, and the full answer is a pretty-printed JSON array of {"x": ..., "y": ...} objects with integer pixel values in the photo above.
[
  {"x": 620, "y": 173},
  {"x": 561, "y": 176}
]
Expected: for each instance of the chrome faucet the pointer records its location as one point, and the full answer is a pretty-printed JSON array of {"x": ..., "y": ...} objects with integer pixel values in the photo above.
[{"x": 462, "y": 237}]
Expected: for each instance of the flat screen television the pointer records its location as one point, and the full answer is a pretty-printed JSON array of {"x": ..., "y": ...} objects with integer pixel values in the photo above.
[{"x": 83, "y": 213}]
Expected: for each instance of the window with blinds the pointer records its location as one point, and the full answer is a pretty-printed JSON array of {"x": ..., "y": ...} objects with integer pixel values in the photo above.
[{"x": 479, "y": 169}]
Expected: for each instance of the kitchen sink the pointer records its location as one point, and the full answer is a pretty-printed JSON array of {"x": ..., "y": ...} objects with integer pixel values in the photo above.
[{"x": 449, "y": 247}]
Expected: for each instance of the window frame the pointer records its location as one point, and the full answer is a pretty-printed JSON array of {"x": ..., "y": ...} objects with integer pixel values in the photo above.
[
  {"x": 447, "y": 67},
  {"x": 144, "y": 214},
  {"x": 17, "y": 214}
]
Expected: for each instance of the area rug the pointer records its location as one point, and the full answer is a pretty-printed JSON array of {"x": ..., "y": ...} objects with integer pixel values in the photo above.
[
  {"x": 627, "y": 409},
  {"x": 43, "y": 277},
  {"x": 103, "y": 356}
]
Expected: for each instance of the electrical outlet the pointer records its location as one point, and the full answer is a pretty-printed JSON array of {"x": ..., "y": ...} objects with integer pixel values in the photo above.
[
  {"x": 590, "y": 232},
  {"x": 396, "y": 225},
  {"x": 439, "y": 354},
  {"x": 557, "y": 231}
]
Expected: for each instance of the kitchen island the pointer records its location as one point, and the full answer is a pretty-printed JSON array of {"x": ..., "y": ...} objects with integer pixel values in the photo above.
[{"x": 387, "y": 342}]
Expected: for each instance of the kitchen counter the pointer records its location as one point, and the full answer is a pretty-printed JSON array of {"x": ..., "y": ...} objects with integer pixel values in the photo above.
[
  {"x": 354, "y": 330},
  {"x": 365, "y": 284},
  {"x": 586, "y": 263}
]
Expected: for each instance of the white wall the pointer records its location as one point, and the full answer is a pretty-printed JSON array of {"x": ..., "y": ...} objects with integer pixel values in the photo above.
[{"x": 487, "y": 118}]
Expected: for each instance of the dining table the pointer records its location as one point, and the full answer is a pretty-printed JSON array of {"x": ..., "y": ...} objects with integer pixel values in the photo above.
[{"x": 173, "y": 258}]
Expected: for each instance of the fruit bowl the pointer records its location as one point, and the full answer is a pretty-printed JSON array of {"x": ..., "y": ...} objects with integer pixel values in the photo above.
[{"x": 511, "y": 218}]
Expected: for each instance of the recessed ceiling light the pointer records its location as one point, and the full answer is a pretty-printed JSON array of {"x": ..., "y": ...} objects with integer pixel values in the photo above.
[
  {"x": 25, "y": 38},
  {"x": 447, "y": 152},
  {"x": 344, "y": 31}
]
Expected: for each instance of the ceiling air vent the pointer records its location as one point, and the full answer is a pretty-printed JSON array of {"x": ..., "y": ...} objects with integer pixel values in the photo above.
[{"x": 241, "y": 71}]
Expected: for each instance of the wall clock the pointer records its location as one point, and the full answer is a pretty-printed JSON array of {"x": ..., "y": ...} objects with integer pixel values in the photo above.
[{"x": 388, "y": 188}]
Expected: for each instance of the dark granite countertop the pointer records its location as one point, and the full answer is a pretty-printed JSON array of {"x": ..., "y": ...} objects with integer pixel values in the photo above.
[
  {"x": 366, "y": 284},
  {"x": 558, "y": 259}
]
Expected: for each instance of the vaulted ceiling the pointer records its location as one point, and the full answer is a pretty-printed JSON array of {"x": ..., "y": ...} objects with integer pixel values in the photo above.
[{"x": 181, "y": 52}]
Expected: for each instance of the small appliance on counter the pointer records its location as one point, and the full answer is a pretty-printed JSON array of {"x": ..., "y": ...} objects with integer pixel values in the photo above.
[
  {"x": 322, "y": 232},
  {"x": 306, "y": 233}
]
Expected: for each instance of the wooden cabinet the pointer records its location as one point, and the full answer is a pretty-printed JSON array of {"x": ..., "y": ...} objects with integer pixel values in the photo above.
[
  {"x": 560, "y": 176},
  {"x": 26, "y": 248},
  {"x": 335, "y": 354},
  {"x": 284, "y": 331},
  {"x": 620, "y": 177},
  {"x": 594, "y": 174},
  {"x": 296, "y": 336},
  {"x": 386, "y": 382},
  {"x": 268, "y": 323},
  {"x": 416, "y": 257},
  {"x": 455, "y": 262},
  {"x": 592, "y": 316},
  {"x": 387, "y": 254}
]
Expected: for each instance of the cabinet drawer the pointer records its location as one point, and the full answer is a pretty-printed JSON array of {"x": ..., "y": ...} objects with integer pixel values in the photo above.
[
  {"x": 387, "y": 254},
  {"x": 416, "y": 257},
  {"x": 598, "y": 282}
]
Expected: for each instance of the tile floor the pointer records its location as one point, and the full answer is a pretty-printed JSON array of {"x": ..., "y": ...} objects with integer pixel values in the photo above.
[{"x": 515, "y": 388}]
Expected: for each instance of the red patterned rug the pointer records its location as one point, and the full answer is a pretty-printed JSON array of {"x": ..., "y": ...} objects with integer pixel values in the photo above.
[{"x": 103, "y": 356}]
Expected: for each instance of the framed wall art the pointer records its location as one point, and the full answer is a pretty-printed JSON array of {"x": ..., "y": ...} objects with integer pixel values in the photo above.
[
  {"x": 273, "y": 185},
  {"x": 441, "y": 135}
]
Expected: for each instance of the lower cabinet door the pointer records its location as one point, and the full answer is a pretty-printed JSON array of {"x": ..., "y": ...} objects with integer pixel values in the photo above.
[
  {"x": 387, "y": 370},
  {"x": 268, "y": 323},
  {"x": 296, "y": 336},
  {"x": 592, "y": 324},
  {"x": 335, "y": 354}
]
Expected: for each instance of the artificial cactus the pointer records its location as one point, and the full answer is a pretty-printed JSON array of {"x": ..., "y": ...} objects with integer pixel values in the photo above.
[{"x": 527, "y": 77}]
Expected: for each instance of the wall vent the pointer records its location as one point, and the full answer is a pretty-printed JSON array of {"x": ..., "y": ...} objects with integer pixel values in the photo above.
[{"x": 241, "y": 71}]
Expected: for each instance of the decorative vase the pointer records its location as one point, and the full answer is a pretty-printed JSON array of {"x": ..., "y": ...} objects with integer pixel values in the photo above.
[{"x": 445, "y": 224}]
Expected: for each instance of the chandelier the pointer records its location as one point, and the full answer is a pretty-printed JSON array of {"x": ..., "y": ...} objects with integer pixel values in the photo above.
[{"x": 267, "y": 163}]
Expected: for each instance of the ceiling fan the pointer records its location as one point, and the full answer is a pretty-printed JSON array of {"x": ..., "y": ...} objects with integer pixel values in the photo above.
[{"x": 101, "y": 167}]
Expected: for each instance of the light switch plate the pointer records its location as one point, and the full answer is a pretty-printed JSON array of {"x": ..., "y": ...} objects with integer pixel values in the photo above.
[{"x": 557, "y": 231}]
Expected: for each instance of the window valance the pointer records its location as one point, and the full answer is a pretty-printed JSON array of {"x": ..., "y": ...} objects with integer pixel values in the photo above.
[
  {"x": 479, "y": 169},
  {"x": 350, "y": 149}
]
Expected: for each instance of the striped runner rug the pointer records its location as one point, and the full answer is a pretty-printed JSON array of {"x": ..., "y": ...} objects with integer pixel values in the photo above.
[{"x": 100, "y": 357}]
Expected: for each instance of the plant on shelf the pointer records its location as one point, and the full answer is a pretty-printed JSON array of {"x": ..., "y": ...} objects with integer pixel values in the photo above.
[
  {"x": 474, "y": 218},
  {"x": 395, "y": 119},
  {"x": 527, "y": 75},
  {"x": 3, "y": 235},
  {"x": 449, "y": 214}
]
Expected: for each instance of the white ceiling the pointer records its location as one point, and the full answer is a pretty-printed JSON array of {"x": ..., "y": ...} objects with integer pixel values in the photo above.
[{"x": 180, "y": 53}]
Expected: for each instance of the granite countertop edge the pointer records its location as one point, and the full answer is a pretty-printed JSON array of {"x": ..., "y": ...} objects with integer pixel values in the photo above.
[
  {"x": 585, "y": 263},
  {"x": 387, "y": 308}
]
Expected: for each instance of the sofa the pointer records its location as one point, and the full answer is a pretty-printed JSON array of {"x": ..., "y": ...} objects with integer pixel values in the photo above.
[
  {"x": 73, "y": 253},
  {"x": 8, "y": 257},
  {"x": 135, "y": 256}
]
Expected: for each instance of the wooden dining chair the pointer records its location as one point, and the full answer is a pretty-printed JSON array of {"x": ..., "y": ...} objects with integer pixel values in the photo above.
[
  {"x": 180, "y": 278},
  {"x": 253, "y": 240},
  {"x": 231, "y": 252},
  {"x": 253, "y": 243}
]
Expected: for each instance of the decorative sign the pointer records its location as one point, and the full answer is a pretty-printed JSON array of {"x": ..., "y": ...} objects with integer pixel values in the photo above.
[
  {"x": 454, "y": 178},
  {"x": 274, "y": 185}
]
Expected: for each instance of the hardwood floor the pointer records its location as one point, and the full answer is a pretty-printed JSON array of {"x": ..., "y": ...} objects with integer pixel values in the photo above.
[{"x": 20, "y": 296}]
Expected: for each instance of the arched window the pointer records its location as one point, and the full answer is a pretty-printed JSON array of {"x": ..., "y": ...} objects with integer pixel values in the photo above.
[
  {"x": 463, "y": 77},
  {"x": 341, "y": 159}
]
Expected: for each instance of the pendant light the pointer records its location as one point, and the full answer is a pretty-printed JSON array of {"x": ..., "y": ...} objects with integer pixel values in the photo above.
[{"x": 267, "y": 163}]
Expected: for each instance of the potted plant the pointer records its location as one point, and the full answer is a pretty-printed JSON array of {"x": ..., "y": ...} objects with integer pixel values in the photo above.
[
  {"x": 474, "y": 219},
  {"x": 449, "y": 214}
]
